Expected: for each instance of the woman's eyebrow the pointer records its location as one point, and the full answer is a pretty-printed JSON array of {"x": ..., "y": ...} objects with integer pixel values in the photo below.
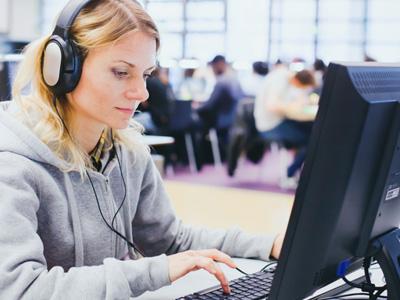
[
  {"x": 126, "y": 62},
  {"x": 152, "y": 68}
]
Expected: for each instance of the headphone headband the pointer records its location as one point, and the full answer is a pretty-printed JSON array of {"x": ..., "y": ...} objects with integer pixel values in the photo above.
[{"x": 67, "y": 17}]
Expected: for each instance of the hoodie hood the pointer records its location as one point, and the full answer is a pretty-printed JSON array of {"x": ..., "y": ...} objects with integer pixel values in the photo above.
[{"x": 19, "y": 139}]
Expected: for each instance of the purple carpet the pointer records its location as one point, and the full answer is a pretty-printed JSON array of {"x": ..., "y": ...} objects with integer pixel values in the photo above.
[{"x": 263, "y": 176}]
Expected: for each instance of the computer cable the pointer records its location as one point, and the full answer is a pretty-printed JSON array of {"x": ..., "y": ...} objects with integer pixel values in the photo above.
[
  {"x": 375, "y": 266},
  {"x": 241, "y": 271},
  {"x": 366, "y": 265},
  {"x": 268, "y": 265},
  {"x": 350, "y": 296},
  {"x": 262, "y": 269},
  {"x": 368, "y": 262},
  {"x": 379, "y": 293},
  {"x": 366, "y": 286}
]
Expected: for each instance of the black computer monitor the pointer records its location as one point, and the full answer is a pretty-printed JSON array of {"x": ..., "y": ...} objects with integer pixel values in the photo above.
[{"x": 349, "y": 190}]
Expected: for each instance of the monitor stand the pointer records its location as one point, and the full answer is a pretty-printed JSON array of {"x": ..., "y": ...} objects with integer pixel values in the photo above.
[
  {"x": 387, "y": 253},
  {"x": 339, "y": 290}
]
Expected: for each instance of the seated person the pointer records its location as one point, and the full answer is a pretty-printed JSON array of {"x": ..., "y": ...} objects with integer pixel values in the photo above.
[
  {"x": 282, "y": 111},
  {"x": 217, "y": 110},
  {"x": 191, "y": 87},
  {"x": 83, "y": 210},
  {"x": 320, "y": 69},
  {"x": 155, "y": 113},
  {"x": 251, "y": 85}
]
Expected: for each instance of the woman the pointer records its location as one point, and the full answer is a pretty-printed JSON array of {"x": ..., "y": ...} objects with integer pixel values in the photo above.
[{"x": 80, "y": 196}]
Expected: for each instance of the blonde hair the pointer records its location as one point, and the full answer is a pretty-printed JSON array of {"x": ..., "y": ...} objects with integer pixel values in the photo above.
[{"x": 100, "y": 23}]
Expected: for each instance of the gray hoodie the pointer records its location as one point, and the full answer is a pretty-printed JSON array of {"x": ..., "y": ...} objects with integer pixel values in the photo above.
[{"x": 54, "y": 243}]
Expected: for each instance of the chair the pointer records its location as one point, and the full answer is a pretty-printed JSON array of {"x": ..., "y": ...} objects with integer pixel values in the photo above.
[
  {"x": 224, "y": 121},
  {"x": 290, "y": 134},
  {"x": 244, "y": 137},
  {"x": 181, "y": 123}
]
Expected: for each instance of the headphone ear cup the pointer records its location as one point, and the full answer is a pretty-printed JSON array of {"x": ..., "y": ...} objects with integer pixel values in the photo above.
[
  {"x": 61, "y": 65},
  {"x": 51, "y": 63},
  {"x": 72, "y": 68}
]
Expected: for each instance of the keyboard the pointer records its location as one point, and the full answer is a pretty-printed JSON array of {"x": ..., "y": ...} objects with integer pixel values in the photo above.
[{"x": 250, "y": 287}]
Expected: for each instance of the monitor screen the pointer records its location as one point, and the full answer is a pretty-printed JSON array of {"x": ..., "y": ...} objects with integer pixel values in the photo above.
[{"x": 349, "y": 190}]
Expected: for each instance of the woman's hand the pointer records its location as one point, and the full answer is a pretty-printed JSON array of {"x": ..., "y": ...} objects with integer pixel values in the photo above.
[
  {"x": 277, "y": 246},
  {"x": 182, "y": 263}
]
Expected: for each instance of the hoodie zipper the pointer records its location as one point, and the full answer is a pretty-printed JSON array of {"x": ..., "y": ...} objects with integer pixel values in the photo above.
[
  {"x": 107, "y": 184},
  {"x": 113, "y": 205}
]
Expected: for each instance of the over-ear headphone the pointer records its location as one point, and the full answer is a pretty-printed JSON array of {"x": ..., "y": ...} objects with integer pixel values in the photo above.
[{"x": 62, "y": 59}]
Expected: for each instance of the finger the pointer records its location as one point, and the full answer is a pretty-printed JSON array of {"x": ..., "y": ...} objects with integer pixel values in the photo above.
[
  {"x": 218, "y": 256},
  {"x": 209, "y": 265}
]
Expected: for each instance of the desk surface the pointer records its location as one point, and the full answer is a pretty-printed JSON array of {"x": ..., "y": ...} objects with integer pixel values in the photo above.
[
  {"x": 157, "y": 140},
  {"x": 199, "y": 280}
]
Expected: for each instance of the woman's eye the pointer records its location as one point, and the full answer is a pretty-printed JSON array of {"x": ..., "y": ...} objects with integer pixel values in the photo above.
[{"x": 120, "y": 74}]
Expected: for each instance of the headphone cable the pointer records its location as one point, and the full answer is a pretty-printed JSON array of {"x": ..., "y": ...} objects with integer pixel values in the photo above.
[
  {"x": 94, "y": 190},
  {"x": 125, "y": 191},
  {"x": 105, "y": 221},
  {"x": 122, "y": 177}
]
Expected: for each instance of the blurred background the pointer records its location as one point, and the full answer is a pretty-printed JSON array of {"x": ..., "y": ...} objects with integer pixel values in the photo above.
[
  {"x": 243, "y": 30},
  {"x": 220, "y": 61}
]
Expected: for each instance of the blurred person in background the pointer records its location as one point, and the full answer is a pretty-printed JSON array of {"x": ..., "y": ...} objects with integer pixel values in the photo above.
[
  {"x": 252, "y": 85},
  {"x": 219, "y": 110},
  {"x": 284, "y": 112},
  {"x": 191, "y": 87},
  {"x": 320, "y": 69},
  {"x": 155, "y": 113},
  {"x": 205, "y": 78}
]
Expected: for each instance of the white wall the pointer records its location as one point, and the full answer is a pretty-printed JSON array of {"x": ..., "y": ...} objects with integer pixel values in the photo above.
[
  {"x": 4, "y": 12},
  {"x": 24, "y": 20},
  {"x": 50, "y": 9}
]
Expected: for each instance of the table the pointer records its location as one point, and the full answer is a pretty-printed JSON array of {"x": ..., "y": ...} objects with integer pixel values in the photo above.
[
  {"x": 158, "y": 140},
  {"x": 199, "y": 280}
]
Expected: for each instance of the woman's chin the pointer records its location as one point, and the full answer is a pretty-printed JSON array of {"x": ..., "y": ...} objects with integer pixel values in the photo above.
[{"x": 120, "y": 125}]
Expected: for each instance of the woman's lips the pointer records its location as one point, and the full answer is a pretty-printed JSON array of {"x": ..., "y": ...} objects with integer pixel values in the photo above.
[{"x": 125, "y": 110}]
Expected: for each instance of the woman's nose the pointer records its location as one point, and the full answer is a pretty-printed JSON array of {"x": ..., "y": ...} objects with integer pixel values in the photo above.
[{"x": 137, "y": 93}]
